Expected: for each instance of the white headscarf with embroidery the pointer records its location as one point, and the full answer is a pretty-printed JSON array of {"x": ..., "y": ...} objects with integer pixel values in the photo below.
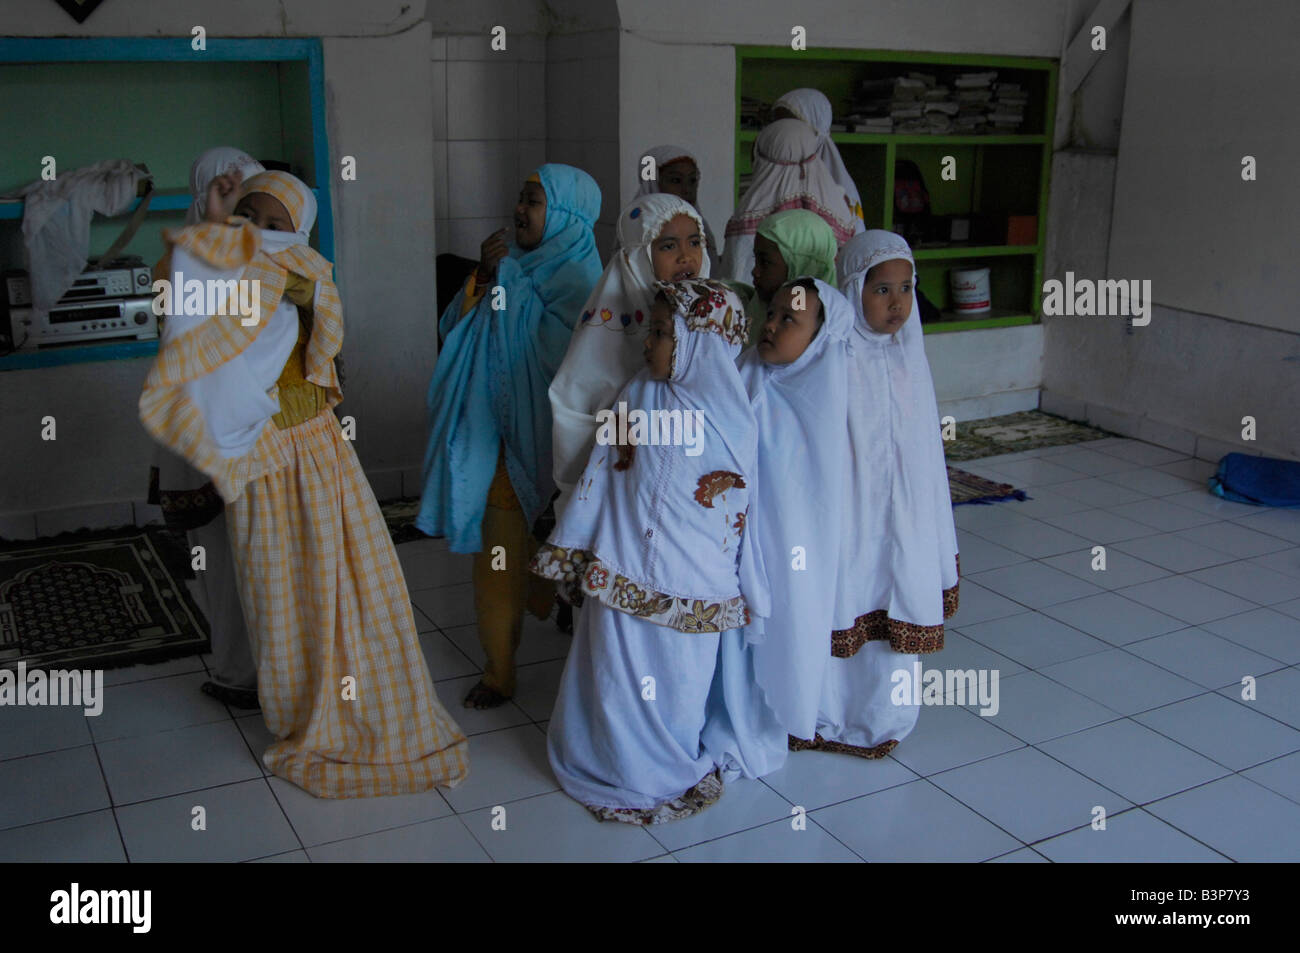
[
  {"x": 788, "y": 173},
  {"x": 671, "y": 525},
  {"x": 812, "y": 106},
  {"x": 605, "y": 350}
]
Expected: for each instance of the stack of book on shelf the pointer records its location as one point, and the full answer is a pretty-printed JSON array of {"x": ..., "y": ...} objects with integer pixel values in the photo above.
[
  {"x": 1007, "y": 112},
  {"x": 918, "y": 103}
]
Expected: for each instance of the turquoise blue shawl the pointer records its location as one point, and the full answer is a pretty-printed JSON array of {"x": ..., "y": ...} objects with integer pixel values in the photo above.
[{"x": 490, "y": 384}]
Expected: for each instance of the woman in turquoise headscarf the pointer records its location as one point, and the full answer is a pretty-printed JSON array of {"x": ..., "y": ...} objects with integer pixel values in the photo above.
[{"x": 487, "y": 470}]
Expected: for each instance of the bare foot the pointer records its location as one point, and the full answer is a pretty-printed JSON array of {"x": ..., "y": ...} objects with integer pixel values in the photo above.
[{"x": 480, "y": 696}]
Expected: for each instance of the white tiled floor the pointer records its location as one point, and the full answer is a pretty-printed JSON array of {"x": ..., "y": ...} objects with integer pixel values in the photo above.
[{"x": 1120, "y": 691}]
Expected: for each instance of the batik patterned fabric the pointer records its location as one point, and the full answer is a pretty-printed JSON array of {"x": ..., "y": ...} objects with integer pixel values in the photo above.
[
  {"x": 788, "y": 173},
  {"x": 490, "y": 385},
  {"x": 672, "y": 522},
  {"x": 605, "y": 350},
  {"x": 659, "y": 543}
]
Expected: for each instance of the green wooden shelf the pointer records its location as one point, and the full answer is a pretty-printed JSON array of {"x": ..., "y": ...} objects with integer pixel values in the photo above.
[
  {"x": 972, "y": 251},
  {"x": 998, "y": 318},
  {"x": 1012, "y": 176}
]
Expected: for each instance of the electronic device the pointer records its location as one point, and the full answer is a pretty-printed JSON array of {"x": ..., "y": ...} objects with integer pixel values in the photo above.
[
  {"x": 120, "y": 278},
  {"x": 130, "y": 317}
]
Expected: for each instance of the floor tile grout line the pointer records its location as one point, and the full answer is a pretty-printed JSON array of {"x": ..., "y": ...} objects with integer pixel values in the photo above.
[
  {"x": 1207, "y": 691},
  {"x": 108, "y": 791},
  {"x": 1138, "y": 808}
]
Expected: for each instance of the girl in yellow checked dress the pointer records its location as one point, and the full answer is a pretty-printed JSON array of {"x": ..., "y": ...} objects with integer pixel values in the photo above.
[{"x": 248, "y": 399}]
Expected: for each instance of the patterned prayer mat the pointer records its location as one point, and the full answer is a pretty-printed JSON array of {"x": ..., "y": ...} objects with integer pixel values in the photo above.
[
  {"x": 1012, "y": 433},
  {"x": 99, "y": 599},
  {"x": 400, "y": 517},
  {"x": 966, "y": 487}
]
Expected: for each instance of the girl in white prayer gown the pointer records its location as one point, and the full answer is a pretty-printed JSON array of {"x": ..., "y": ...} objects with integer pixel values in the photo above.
[
  {"x": 653, "y": 538},
  {"x": 769, "y": 680},
  {"x": 898, "y": 572}
]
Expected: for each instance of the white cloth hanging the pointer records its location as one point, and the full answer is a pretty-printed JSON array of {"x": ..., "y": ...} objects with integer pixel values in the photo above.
[{"x": 56, "y": 222}]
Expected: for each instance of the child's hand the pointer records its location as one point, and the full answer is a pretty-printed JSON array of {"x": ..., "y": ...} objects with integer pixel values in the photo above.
[
  {"x": 491, "y": 252},
  {"x": 223, "y": 193}
]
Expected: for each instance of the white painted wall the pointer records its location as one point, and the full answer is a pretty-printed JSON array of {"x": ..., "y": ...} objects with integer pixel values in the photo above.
[
  {"x": 1219, "y": 252},
  {"x": 582, "y": 112},
  {"x": 684, "y": 94},
  {"x": 1207, "y": 87},
  {"x": 489, "y": 129}
]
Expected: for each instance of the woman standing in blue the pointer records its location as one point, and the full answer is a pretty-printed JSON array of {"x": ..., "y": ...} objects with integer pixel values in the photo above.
[{"x": 487, "y": 470}]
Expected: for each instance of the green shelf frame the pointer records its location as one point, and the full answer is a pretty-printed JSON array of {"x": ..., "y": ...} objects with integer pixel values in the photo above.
[{"x": 744, "y": 140}]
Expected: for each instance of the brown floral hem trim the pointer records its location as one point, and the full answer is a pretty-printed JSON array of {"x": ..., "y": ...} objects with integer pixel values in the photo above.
[
  {"x": 581, "y": 572},
  {"x": 692, "y": 801},
  {"x": 908, "y": 638},
  {"x": 905, "y": 637},
  {"x": 838, "y": 747},
  {"x": 950, "y": 596}
]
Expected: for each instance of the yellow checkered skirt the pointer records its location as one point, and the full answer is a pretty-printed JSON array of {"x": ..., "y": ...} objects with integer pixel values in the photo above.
[{"x": 343, "y": 684}]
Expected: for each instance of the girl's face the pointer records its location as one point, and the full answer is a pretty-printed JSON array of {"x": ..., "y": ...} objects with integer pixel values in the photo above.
[
  {"x": 678, "y": 252},
  {"x": 265, "y": 211},
  {"x": 887, "y": 295},
  {"x": 770, "y": 271},
  {"x": 659, "y": 341},
  {"x": 680, "y": 178},
  {"x": 789, "y": 330},
  {"x": 530, "y": 216}
]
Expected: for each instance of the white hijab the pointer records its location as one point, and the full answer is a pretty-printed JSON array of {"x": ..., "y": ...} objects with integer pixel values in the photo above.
[
  {"x": 787, "y": 174},
  {"x": 800, "y": 409},
  {"x": 222, "y": 160},
  {"x": 812, "y": 106},
  {"x": 605, "y": 350},
  {"x": 899, "y": 554},
  {"x": 663, "y": 155},
  {"x": 671, "y": 523}
]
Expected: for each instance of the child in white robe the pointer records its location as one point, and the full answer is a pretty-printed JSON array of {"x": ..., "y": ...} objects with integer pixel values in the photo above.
[
  {"x": 898, "y": 572},
  {"x": 769, "y": 680},
  {"x": 661, "y": 238},
  {"x": 788, "y": 173},
  {"x": 676, "y": 171},
  {"x": 653, "y": 538}
]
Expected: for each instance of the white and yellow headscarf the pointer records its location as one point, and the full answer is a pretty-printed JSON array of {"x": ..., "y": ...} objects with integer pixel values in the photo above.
[{"x": 211, "y": 391}]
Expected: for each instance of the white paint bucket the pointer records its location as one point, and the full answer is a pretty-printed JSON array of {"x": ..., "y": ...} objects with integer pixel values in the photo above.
[{"x": 970, "y": 290}]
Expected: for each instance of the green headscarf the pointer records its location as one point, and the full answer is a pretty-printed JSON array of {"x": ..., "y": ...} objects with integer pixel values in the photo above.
[{"x": 807, "y": 245}]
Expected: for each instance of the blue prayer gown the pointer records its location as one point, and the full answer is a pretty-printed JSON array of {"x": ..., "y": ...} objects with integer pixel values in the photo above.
[{"x": 490, "y": 384}]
